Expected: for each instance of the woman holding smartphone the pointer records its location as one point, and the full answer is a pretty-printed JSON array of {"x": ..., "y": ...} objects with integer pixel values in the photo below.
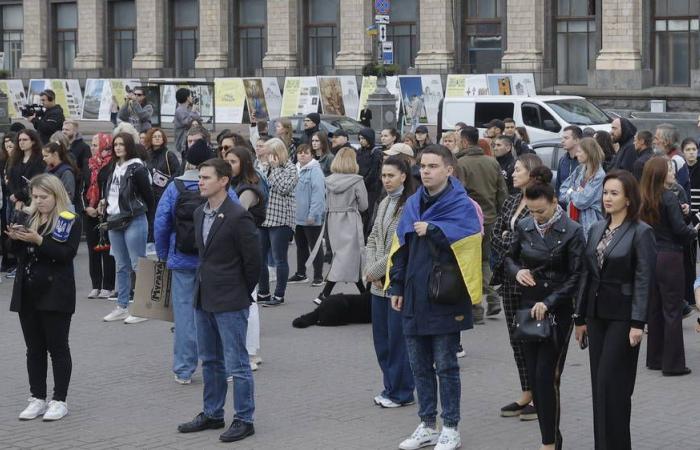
[
  {"x": 44, "y": 291},
  {"x": 611, "y": 306}
]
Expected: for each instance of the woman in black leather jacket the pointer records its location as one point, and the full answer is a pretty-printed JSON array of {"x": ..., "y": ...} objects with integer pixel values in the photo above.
[
  {"x": 545, "y": 260},
  {"x": 611, "y": 306},
  {"x": 661, "y": 209}
]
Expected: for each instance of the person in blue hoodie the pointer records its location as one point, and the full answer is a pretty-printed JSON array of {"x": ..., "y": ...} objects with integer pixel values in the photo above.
[
  {"x": 310, "y": 194},
  {"x": 183, "y": 266}
]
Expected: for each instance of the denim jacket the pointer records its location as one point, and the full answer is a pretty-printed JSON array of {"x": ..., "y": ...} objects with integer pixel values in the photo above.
[
  {"x": 588, "y": 200},
  {"x": 310, "y": 193}
]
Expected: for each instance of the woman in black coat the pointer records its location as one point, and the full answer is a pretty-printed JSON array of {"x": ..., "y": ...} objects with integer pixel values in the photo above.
[
  {"x": 611, "y": 306},
  {"x": 44, "y": 291},
  {"x": 545, "y": 260},
  {"x": 662, "y": 210}
]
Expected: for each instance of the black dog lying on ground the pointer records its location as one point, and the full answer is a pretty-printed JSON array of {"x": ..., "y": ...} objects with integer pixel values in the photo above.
[{"x": 338, "y": 309}]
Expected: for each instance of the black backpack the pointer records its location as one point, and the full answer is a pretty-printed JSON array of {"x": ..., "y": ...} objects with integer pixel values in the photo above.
[{"x": 185, "y": 205}]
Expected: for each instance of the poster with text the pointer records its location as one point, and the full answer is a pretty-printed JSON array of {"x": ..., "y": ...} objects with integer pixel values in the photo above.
[
  {"x": 202, "y": 96},
  {"x": 68, "y": 95},
  {"x": 369, "y": 85},
  {"x": 522, "y": 84},
  {"x": 300, "y": 96},
  {"x": 339, "y": 95},
  {"x": 230, "y": 100},
  {"x": 102, "y": 95},
  {"x": 255, "y": 99},
  {"x": 16, "y": 98},
  {"x": 459, "y": 85},
  {"x": 273, "y": 96}
]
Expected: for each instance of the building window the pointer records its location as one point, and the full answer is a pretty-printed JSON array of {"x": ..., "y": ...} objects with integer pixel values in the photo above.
[
  {"x": 65, "y": 35},
  {"x": 575, "y": 22},
  {"x": 185, "y": 35},
  {"x": 12, "y": 32},
  {"x": 676, "y": 41},
  {"x": 122, "y": 35},
  {"x": 403, "y": 31},
  {"x": 482, "y": 36},
  {"x": 251, "y": 35},
  {"x": 321, "y": 29}
]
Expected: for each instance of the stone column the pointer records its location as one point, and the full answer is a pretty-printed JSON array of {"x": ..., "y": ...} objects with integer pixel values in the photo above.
[
  {"x": 35, "y": 48},
  {"x": 91, "y": 29},
  {"x": 619, "y": 62},
  {"x": 437, "y": 45},
  {"x": 355, "y": 44},
  {"x": 150, "y": 32},
  {"x": 213, "y": 34},
  {"x": 525, "y": 52},
  {"x": 282, "y": 32}
]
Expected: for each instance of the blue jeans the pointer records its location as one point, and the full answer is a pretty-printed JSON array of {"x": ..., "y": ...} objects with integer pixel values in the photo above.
[
  {"x": 185, "y": 345},
  {"x": 275, "y": 242},
  {"x": 390, "y": 347},
  {"x": 221, "y": 341},
  {"x": 128, "y": 246},
  {"x": 440, "y": 350}
]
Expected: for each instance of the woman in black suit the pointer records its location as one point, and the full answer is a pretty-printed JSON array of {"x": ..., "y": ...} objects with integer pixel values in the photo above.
[
  {"x": 545, "y": 260},
  {"x": 662, "y": 210},
  {"x": 44, "y": 291},
  {"x": 611, "y": 306}
]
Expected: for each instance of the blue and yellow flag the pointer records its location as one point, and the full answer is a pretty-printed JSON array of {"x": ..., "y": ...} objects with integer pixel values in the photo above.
[{"x": 457, "y": 217}]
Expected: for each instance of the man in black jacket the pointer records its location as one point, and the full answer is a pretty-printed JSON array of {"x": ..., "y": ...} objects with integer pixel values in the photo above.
[
  {"x": 518, "y": 144},
  {"x": 503, "y": 151},
  {"x": 229, "y": 268},
  {"x": 52, "y": 119},
  {"x": 311, "y": 122},
  {"x": 642, "y": 145},
  {"x": 369, "y": 158},
  {"x": 622, "y": 131},
  {"x": 79, "y": 149},
  {"x": 339, "y": 139}
]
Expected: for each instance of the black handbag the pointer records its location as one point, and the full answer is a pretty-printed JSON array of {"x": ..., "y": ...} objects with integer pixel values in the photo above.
[
  {"x": 527, "y": 328},
  {"x": 117, "y": 222},
  {"x": 445, "y": 282}
]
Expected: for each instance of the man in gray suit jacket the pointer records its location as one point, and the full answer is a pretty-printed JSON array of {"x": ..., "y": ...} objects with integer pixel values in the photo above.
[{"x": 229, "y": 266}]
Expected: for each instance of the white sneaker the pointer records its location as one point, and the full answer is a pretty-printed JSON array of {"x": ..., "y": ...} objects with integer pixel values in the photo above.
[
  {"x": 104, "y": 293},
  {"x": 384, "y": 402},
  {"x": 118, "y": 313},
  {"x": 94, "y": 293},
  {"x": 422, "y": 437},
  {"x": 449, "y": 439},
  {"x": 179, "y": 380},
  {"x": 253, "y": 365},
  {"x": 256, "y": 359},
  {"x": 36, "y": 408},
  {"x": 112, "y": 296},
  {"x": 56, "y": 411},
  {"x": 229, "y": 379},
  {"x": 134, "y": 319}
]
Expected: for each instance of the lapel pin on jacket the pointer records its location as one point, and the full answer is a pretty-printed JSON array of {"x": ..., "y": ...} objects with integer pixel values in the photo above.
[{"x": 220, "y": 216}]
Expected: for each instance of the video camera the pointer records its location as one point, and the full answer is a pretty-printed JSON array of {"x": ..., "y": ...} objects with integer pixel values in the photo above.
[{"x": 32, "y": 110}]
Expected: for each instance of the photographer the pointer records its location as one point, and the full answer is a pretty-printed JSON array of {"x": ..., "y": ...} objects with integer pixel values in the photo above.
[
  {"x": 136, "y": 110},
  {"x": 185, "y": 113},
  {"x": 50, "y": 120}
]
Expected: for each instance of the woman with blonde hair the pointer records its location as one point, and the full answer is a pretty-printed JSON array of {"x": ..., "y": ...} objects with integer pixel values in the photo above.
[
  {"x": 583, "y": 190},
  {"x": 346, "y": 197},
  {"x": 44, "y": 291},
  {"x": 284, "y": 131},
  {"x": 280, "y": 219}
]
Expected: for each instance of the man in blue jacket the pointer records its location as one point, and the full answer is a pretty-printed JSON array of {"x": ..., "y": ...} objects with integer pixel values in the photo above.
[
  {"x": 183, "y": 266},
  {"x": 439, "y": 224}
]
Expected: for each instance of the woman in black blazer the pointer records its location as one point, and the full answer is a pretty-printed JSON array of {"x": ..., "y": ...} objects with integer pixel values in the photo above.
[
  {"x": 44, "y": 291},
  {"x": 662, "y": 210},
  {"x": 611, "y": 306},
  {"x": 545, "y": 260}
]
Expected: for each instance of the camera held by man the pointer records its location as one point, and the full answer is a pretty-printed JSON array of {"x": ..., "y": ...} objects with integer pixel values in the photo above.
[
  {"x": 32, "y": 110},
  {"x": 48, "y": 118}
]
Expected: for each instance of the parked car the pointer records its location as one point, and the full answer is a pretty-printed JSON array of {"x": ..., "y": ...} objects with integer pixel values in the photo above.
[
  {"x": 543, "y": 116},
  {"x": 549, "y": 152},
  {"x": 329, "y": 124}
]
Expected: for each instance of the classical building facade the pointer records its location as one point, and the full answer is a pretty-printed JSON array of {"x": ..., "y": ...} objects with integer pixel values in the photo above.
[{"x": 634, "y": 49}]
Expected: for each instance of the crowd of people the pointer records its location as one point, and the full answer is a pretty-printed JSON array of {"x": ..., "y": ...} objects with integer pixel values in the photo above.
[{"x": 436, "y": 235}]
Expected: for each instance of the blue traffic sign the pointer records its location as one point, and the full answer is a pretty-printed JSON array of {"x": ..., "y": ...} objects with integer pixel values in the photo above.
[{"x": 382, "y": 6}]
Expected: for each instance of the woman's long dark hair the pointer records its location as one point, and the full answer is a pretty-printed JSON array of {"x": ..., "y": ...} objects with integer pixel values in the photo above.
[
  {"x": 631, "y": 191},
  {"x": 604, "y": 139},
  {"x": 248, "y": 174},
  {"x": 18, "y": 154},
  {"x": 129, "y": 147},
  {"x": 323, "y": 140},
  {"x": 57, "y": 147},
  {"x": 653, "y": 186},
  {"x": 9, "y": 136},
  {"x": 408, "y": 188}
]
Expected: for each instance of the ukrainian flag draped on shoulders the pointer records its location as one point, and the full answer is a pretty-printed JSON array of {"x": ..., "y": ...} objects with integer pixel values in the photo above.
[{"x": 460, "y": 220}]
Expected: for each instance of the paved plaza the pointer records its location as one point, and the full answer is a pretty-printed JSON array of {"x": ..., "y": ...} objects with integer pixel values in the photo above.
[{"x": 313, "y": 391}]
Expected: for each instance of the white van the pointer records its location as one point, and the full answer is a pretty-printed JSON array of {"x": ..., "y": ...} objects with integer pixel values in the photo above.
[{"x": 543, "y": 116}]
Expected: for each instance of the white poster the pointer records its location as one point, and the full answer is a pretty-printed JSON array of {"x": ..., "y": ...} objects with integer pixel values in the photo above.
[
  {"x": 421, "y": 95},
  {"x": 339, "y": 95},
  {"x": 230, "y": 100},
  {"x": 512, "y": 84},
  {"x": 68, "y": 95},
  {"x": 16, "y": 98},
  {"x": 102, "y": 94},
  {"x": 459, "y": 85},
  {"x": 202, "y": 95},
  {"x": 273, "y": 96},
  {"x": 301, "y": 96}
]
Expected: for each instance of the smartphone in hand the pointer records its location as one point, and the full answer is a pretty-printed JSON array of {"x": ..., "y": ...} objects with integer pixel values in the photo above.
[{"x": 583, "y": 343}]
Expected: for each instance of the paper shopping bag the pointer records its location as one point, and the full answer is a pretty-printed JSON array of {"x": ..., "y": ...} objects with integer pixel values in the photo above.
[{"x": 152, "y": 295}]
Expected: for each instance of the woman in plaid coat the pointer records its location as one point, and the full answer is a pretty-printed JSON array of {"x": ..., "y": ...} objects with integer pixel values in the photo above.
[{"x": 514, "y": 209}]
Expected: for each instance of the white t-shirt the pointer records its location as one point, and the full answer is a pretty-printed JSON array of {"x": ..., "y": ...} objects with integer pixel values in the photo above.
[{"x": 117, "y": 180}]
